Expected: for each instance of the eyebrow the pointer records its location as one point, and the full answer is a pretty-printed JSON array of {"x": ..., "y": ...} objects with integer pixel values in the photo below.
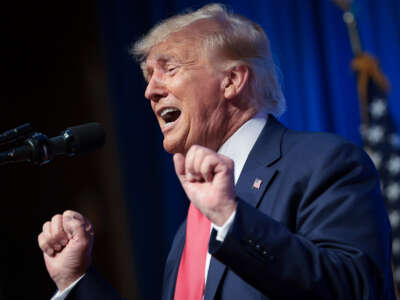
[{"x": 164, "y": 57}]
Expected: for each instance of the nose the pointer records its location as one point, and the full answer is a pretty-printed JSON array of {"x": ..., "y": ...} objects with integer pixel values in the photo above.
[{"x": 155, "y": 89}]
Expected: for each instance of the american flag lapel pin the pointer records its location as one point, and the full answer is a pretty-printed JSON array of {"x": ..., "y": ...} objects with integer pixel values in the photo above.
[{"x": 257, "y": 183}]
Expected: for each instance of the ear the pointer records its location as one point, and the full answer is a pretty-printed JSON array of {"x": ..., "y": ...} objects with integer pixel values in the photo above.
[{"x": 235, "y": 81}]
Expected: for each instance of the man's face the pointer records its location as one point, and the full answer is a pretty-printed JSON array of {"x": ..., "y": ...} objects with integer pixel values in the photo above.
[{"x": 186, "y": 94}]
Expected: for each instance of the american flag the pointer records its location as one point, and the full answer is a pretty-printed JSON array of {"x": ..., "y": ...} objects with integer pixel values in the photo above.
[
  {"x": 382, "y": 143},
  {"x": 257, "y": 183}
]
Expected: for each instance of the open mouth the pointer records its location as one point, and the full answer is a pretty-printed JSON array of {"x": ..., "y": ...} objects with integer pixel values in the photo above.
[{"x": 170, "y": 115}]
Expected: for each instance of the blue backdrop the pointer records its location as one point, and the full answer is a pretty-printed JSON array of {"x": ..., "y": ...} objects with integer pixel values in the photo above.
[{"x": 310, "y": 44}]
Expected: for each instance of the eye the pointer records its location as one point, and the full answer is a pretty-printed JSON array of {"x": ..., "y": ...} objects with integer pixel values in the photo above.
[{"x": 171, "y": 68}]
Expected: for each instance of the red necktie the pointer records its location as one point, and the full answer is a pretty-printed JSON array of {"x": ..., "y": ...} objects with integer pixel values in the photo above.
[{"x": 190, "y": 282}]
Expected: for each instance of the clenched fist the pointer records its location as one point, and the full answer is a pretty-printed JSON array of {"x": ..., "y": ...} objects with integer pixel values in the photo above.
[
  {"x": 208, "y": 180},
  {"x": 66, "y": 242}
]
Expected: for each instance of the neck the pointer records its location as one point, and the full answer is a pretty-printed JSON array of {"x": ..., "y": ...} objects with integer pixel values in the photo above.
[{"x": 236, "y": 120}]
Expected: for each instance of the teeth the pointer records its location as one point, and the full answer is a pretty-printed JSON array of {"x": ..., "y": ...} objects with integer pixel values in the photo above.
[{"x": 168, "y": 110}]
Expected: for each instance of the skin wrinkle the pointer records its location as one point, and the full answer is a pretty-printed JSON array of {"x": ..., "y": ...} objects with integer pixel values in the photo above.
[
  {"x": 164, "y": 60},
  {"x": 233, "y": 40},
  {"x": 205, "y": 106},
  {"x": 177, "y": 50}
]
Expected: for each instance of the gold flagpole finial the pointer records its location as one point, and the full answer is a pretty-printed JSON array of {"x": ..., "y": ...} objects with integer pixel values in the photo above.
[{"x": 350, "y": 20}]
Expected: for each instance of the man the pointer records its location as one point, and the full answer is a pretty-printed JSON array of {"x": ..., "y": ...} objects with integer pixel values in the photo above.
[{"x": 292, "y": 215}]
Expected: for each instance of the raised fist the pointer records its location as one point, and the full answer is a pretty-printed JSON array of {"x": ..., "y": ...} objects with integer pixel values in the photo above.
[
  {"x": 66, "y": 242},
  {"x": 208, "y": 180}
]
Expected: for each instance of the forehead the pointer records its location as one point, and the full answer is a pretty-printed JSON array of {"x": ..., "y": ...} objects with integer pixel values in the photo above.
[{"x": 180, "y": 46}]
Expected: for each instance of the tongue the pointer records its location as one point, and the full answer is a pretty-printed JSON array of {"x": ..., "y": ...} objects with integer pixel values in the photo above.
[{"x": 172, "y": 116}]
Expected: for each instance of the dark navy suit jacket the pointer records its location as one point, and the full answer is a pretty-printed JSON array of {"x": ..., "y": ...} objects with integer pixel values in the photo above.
[{"x": 315, "y": 229}]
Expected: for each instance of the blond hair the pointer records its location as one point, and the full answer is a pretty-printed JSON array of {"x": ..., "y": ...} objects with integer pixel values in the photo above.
[{"x": 239, "y": 40}]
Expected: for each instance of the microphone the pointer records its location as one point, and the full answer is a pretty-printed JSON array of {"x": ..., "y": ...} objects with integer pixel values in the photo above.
[
  {"x": 39, "y": 149},
  {"x": 16, "y": 134}
]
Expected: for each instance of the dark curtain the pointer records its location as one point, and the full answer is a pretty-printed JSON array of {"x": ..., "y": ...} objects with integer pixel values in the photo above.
[{"x": 310, "y": 44}]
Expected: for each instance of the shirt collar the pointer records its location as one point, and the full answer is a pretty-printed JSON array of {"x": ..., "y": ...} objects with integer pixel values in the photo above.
[{"x": 239, "y": 145}]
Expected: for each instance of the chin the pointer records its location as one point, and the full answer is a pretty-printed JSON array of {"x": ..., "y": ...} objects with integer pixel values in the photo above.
[{"x": 173, "y": 148}]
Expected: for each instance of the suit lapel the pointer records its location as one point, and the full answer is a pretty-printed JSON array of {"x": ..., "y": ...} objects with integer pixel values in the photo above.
[
  {"x": 214, "y": 277},
  {"x": 172, "y": 264},
  {"x": 258, "y": 173},
  {"x": 266, "y": 151},
  {"x": 254, "y": 184}
]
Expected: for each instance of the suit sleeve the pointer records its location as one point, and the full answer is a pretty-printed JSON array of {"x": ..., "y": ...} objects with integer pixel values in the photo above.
[
  {"x": 339, "y": 247},
  {"x": 93, "y": 287}
]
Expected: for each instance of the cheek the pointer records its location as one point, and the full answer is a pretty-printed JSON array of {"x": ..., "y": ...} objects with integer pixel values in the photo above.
[{"x": 179, "y": 81}]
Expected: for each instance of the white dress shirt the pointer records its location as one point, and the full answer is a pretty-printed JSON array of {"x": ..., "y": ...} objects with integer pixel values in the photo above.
[
  {"x": 237, "y": 148},
  {"x": 62, "y": 295}
]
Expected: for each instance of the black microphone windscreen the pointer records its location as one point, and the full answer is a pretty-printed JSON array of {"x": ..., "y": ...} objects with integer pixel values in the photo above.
[{"x": 87, "y": 137}]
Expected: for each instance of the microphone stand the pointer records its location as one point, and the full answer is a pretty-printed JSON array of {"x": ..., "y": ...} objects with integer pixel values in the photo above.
[{"x": 35, "y": 148}]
